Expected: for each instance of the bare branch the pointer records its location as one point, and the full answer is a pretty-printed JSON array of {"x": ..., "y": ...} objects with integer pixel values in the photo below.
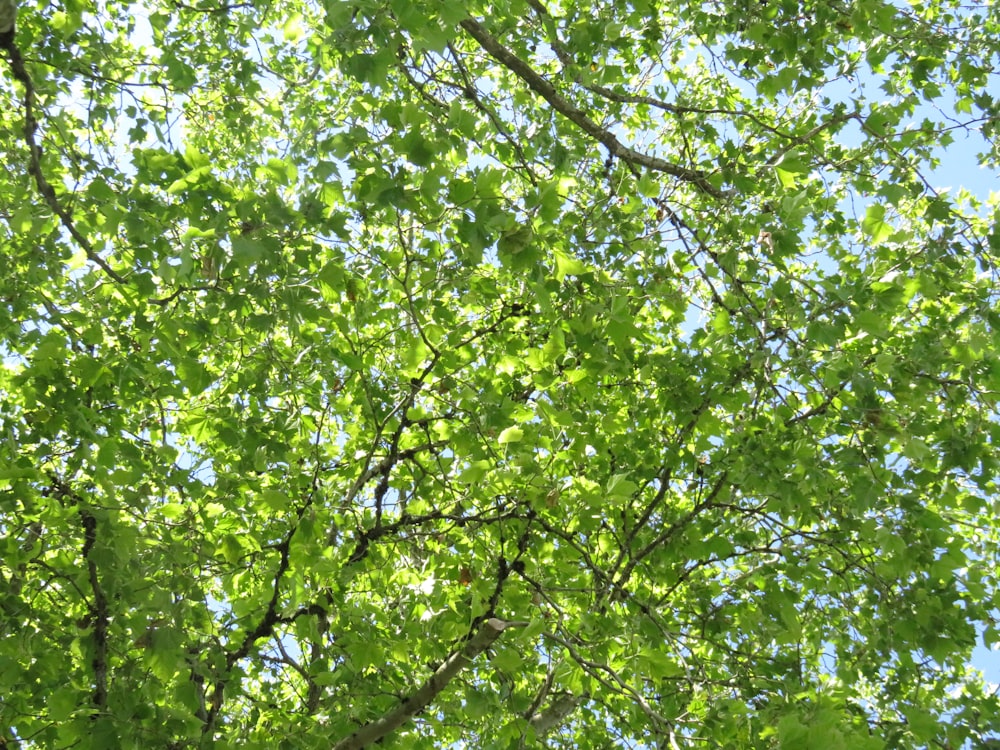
[{"x": 545, "y": 721}]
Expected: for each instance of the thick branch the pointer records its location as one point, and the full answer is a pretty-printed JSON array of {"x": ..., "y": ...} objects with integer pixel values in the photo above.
[
  {"x": 545, "y": 721},
  {"x": 98, "y": 614},
  {"x": 376, "y": 730},
  {"x": 547, "y": 91}
]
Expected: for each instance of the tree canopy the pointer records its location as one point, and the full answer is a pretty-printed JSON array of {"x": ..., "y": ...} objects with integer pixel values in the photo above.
[{"x": 524, "y": 374}]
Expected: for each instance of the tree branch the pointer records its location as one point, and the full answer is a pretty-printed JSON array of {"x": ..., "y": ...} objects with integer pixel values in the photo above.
[
  {"x": 98, "y": 613},
  {"x": 270, "y": 618},
  {"x": 567, "y": 109},
  {"x": 45, "y": 189},
  {"x": 543, "y": 722},
  {"x": 469, "y": 89},
  {"x": 376, "y": 730}
]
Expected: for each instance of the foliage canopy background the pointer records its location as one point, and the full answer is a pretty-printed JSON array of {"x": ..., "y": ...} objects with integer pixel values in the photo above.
[{"x": 523, "y": 374}]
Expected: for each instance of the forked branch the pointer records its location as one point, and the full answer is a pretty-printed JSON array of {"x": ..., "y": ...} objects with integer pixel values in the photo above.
[
  {"x": 574, "y": 114},
  {"x": 374, "y": 731}
]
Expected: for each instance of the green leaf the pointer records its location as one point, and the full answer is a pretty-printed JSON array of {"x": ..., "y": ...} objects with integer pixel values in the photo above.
[
  {"x": 18, "y": 472},
  {"x": 475, "y": 471},
  {"x": 191, "y": 179},
  {"x": 790, "y": 168},
  {"x": 63, "y": 702},
  {"x": 281, "y": 171},
  {"x": 232, "y": 549},
  {"x": 275, "y": 499},
  {"x": 874, "y": 224},
  {"x": 786, "y": 178},
  {"x": 512, "y": 434},
  {"x": 515, "y": 241},
  {"x": 566, "y": 265}
]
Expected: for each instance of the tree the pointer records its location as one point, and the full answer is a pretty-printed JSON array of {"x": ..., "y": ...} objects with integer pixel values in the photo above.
[{"x": 514, "y": 375}]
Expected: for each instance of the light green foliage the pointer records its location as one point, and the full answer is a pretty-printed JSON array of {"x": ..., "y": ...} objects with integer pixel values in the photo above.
[{"x": 497, "y": 375}]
